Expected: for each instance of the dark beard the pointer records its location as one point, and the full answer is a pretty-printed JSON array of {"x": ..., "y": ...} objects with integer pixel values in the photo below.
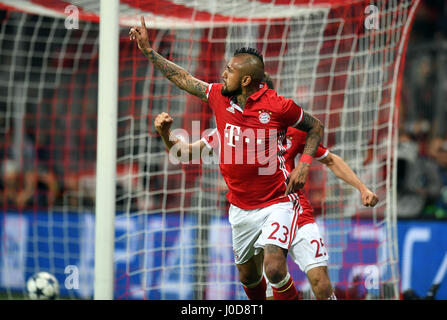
[{"x": 229, "y": 94}]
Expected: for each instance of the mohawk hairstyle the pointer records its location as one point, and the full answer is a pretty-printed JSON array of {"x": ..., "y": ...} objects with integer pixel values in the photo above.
[{"x": 251, "y": 51}]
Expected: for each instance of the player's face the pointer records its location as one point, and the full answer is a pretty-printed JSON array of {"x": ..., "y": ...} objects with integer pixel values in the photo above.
[{"x": 232, "y": 79}]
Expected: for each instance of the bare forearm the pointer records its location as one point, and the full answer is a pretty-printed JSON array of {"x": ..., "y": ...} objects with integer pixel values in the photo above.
[
  {"x": 169, "y": 139},
  {"x": 183, "y": 151},
  {"x": 344, "y": 172},
  {"x": 177, "y": 75}
]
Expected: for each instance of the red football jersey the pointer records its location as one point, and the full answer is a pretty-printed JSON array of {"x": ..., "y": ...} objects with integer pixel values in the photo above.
[
  {"x": 251, "y": 145},
  {"x": 295, "y": 141}
]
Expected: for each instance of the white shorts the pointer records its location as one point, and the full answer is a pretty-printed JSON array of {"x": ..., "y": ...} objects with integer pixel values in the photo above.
[
  {"x": 308, "y": 250},
  {"x": 253, "y": 229}
]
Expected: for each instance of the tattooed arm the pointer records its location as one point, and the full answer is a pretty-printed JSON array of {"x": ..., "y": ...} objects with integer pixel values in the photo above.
[
  {"x": 176, "y": 74},
  {"x": 315, "y": 130}
]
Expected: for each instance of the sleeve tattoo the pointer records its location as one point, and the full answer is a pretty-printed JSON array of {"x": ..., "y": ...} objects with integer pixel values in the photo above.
[
  {"x": 314, "y": 129},
  {"x": 179, "y": 76}
]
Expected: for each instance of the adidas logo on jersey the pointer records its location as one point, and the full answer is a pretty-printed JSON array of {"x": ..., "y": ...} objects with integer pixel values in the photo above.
[{"x": 231, "y": 109}]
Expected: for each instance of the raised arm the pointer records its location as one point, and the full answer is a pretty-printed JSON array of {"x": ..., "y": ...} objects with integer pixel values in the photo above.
[
  {"x": 315, "y": 130},
  {"x": 180, "y": 149},
  {"x": 176, "y": 74},
  {"x": 344, "y": 172}
]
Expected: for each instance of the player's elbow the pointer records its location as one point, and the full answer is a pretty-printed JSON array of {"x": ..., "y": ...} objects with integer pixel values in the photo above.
[
  {"x": 329, "y": 160},
  {"x": 319, "y": 127},
  {"x": 313, "y": 126},
  {"x": 180, "y": 151},
  {"x": 337, "y": 165}
]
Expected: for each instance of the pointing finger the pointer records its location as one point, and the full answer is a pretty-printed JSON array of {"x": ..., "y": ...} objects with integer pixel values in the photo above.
[{"x": 143, "y": 23}]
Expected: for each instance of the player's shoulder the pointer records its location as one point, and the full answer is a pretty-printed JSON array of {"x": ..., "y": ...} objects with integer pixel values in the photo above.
[
  {"x": 274, "y": 95},
  {"x": 217, "y": 86},
  {"x": 214, "y": 95},
  {"x": 277, "y": 101},
  {"x": 273, "y": 100},
  {"x": 213, "y": 88}
]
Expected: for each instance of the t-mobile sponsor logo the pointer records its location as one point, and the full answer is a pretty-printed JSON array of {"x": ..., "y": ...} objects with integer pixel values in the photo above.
[
  {"x": 239, "y": 146},
  {"x": 230, "y": 135}
]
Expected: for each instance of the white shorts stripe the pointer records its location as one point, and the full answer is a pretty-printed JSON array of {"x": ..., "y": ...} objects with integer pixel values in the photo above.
[{"x": 297, "y": 209}]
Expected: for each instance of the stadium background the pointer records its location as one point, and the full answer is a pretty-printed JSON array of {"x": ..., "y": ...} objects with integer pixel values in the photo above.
[{"x": 28, "y": 241}]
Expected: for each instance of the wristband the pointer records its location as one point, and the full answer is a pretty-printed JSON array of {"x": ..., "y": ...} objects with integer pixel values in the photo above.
[{"x": 306, "y": 158}]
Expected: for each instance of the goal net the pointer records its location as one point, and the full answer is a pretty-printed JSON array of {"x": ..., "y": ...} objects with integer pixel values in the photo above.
[{"x": 340, "y": 60}]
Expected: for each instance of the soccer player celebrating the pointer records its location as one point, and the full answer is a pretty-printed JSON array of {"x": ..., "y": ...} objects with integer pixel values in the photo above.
[
  {"x": 307, "y": 249},
  {"x": 252, "y": 121}
]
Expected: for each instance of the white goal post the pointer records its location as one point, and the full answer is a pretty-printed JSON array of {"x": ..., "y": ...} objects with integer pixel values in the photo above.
[{"x": 106, "y": 149}]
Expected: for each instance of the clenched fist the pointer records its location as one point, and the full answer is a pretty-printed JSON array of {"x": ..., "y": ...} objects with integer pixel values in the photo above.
[
  {"x": 369, "y": 198},
  {"x": 163, "y": 123}
]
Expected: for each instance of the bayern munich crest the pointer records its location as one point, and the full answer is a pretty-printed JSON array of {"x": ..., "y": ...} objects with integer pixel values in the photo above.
[{"x": 264, "y": 116}]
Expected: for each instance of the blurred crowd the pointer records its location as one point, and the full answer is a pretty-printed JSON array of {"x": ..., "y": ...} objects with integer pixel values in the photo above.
[{"x": 422, "y": 148}]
